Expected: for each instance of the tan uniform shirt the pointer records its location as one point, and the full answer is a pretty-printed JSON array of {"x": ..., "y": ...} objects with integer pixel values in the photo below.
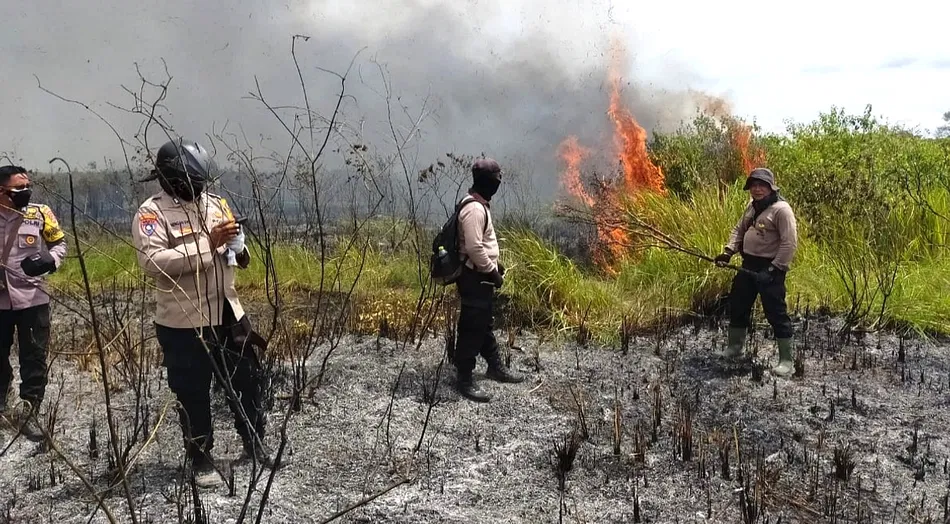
[
  {"x": 774, "y": 235},
  {"x": 39, "y": 230},
  {"x": 477, "y": 241},
  {"x": 192, "y": 281}
]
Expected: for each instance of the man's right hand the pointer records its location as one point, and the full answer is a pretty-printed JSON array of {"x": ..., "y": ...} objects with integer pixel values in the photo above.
[
  {"x": 722, "y": 259},
  {"x": 222, "y": 233}
]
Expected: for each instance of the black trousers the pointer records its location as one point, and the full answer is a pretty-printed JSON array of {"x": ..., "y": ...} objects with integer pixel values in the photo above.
[
  {"x": 474, "y": 331},
  {"x": 744, "y": 291},
  {"x": 192, "y": 357},
  {"x": 32, "y": 332}
]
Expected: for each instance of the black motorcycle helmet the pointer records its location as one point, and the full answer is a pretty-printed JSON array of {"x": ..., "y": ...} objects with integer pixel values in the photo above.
[{"x": 183, "y": 168}]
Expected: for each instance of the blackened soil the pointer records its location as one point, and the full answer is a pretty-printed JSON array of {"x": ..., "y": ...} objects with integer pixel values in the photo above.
[{"x": 665, "y": 432}]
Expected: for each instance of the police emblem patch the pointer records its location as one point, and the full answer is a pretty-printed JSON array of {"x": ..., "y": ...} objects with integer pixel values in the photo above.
[
  {"x": 148, "y": 222},
  {"x": 30, "y": 240}
]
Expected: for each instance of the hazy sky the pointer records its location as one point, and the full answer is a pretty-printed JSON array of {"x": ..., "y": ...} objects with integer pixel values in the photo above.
[{"x": 510, "y": 78}]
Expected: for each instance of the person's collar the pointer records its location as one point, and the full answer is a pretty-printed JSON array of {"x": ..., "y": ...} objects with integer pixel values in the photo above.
[
  {"x": 185, "y": 203},
  {"x": 8, "y": 213},
  {"x": 479, "y": 198}
]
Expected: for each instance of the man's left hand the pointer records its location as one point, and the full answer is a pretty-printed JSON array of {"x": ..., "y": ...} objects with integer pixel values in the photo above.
[
  {"x": 236, "y": 243},
  {"x": 38, "y": 264}
]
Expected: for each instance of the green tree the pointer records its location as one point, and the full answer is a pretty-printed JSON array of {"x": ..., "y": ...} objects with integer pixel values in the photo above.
[{"x": 944, "y": 130}]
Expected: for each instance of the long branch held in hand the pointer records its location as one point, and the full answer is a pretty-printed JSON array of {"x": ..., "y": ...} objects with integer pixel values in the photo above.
[{"x": 635, "y": 226}]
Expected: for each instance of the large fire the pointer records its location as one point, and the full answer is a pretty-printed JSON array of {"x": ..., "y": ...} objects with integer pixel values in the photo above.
[
  {"x": 640, "y": 174},
  {"x": 630, "y": 139}
]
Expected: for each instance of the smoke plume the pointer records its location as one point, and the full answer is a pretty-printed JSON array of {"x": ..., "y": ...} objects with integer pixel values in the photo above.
[{"x": 510, "y": 79}]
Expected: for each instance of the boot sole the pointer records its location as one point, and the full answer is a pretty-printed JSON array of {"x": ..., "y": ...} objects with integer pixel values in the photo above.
[
  {"x": 504, "y": 381},
  {"x": 475, "y": 399},
  {"x": 209, "y": 485},
  {"x": 784, "y": 374}
]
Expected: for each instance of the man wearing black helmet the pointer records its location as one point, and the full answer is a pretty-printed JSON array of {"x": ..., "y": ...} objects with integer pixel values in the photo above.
[{"x": 189, "y": 243}]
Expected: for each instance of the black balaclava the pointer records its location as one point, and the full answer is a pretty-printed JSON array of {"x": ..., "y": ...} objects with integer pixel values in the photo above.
[
  {"x": 183, "y": 188},
  {"x": 486, "y": 177}
]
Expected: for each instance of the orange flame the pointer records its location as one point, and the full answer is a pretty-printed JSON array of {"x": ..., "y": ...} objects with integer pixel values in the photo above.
[
  {"x": 750, "y": 155},
  {"x": 610, "y": 241},
  {"x": 639, "y": 172},
  {"x": 631, "y": 141},
  {"x": 573, "y": 153}
]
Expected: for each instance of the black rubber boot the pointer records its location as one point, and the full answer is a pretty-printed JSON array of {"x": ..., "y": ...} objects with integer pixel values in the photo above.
[
  {"x": 258, "y": 452},
  {"x": 30, "y": 422},
  {"x": 499, "y": 372},
  {"x": 205, "y": 473},
  {"x": 468, "y": 388}
]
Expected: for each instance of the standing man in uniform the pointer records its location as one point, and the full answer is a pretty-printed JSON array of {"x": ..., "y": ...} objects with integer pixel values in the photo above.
[
  {"x": 33, "y": 245},
  {"x": 481, "y": 275},
  {"x": 767, "y": 237},
  {"x": 189, "y": 243}
]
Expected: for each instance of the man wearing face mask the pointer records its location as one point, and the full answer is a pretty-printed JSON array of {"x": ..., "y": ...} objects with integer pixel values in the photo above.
[
  {"x": 33, "y": 245},
  {"x": 481, "y": 275},
  {"x": 189, "y": 243}
]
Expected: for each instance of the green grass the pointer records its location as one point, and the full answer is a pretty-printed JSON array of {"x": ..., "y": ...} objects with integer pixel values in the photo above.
[
  {"x": 107, "y": 260},
  {"x": 654, "y": 279},
  {"x": 548, "y": 289},
  {"x": 298, "y": 268}
]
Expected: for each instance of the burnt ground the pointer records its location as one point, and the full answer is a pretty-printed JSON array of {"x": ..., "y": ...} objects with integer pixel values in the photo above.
[{"x": 860, "y": 437}]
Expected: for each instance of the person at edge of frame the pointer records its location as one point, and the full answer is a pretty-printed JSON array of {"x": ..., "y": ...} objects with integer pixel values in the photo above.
[
  {"x": 767, "y": 237},
  {"x": 189, "y": 243},
  {"x": 482, "y": 274},
  {"x": 33, "y": 246}
]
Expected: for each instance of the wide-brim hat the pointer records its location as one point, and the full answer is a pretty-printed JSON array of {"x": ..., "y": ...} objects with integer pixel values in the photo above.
[{"x": 762, "y": 174}]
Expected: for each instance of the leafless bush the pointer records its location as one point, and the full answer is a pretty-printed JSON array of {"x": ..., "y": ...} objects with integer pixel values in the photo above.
[{"x": 563, "y": 454}]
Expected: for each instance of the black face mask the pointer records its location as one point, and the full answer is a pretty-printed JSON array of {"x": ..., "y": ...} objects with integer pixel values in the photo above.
[
  {"x": 486, "y": 186},
  {"x": 182, "y": 189},
  {"x": 20, "y": 197}
]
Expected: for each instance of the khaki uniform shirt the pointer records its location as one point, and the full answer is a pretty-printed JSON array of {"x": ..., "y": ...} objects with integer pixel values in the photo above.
[
  {"x": 192, "y": 280},
  {"x": 38, "y": 231},
  {"x": 773, "y": 235},
  {"x": 477, "y": 240}
]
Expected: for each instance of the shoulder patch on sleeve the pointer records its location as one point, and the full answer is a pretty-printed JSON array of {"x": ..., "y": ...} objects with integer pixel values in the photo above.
[
  {"x": 51, "y": 230},
  {"x": 148, "y": 221}
]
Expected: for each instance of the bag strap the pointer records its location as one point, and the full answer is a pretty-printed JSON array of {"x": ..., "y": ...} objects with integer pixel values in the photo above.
[
  {"x": 11, "y": 236},
  {"x": 466, "y": 201}
]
